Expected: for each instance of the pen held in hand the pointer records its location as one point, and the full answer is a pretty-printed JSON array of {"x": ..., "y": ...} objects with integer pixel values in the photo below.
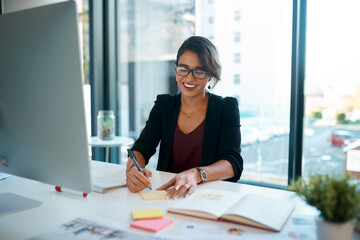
[{"x": 133, "y": 158}]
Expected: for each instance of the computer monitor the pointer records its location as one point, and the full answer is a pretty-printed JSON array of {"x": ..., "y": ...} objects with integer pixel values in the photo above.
[{"x": 42, "y": 117}]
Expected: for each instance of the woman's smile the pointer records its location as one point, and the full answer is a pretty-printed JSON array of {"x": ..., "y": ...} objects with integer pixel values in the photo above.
[{"x": 189, "y": 87}]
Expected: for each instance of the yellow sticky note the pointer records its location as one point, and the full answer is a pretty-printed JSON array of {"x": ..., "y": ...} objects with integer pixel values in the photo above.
[
  {"x": 153, "y": 195},
  {"x": 148, "y": 213}
]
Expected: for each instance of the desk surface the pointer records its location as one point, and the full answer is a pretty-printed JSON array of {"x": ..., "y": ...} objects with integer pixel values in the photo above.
[{"x": 115, "y": 205}]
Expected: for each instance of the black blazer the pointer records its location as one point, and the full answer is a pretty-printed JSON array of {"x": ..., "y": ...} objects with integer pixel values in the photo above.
[{"x": 221, "y": 134}]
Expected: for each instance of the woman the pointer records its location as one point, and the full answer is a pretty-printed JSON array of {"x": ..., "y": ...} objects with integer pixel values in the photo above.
[{"x": 199, "y": 131}]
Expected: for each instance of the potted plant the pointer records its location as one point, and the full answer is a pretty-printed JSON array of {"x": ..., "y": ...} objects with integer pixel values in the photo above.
[{"x": 336, "y": 198}]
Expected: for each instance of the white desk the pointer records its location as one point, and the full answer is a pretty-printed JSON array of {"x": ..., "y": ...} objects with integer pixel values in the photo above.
[
  {"x": 117, "y": 141},
  {"x": 115, "y": 205}
]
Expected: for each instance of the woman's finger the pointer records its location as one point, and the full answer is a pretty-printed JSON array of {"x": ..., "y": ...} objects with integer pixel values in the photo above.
[
  {"x": 183, "y": 189},
  {"x": 147, "y": 173},
  {"x": 137, "y": 180},
  {"x": 190, "y": 190}
]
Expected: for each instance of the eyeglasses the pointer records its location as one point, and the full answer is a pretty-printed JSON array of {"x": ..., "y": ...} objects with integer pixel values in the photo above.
[{"x": 197, "y": 73}]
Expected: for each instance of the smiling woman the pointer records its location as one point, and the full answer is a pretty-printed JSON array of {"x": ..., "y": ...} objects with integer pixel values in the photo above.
[{"x": 199, "y": 131}]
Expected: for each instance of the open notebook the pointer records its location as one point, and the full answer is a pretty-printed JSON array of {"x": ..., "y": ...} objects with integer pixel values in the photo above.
[{"x": 107, "y": 176}]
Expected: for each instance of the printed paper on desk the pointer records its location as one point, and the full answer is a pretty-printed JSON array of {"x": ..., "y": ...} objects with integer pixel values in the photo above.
[
  {"x": 152, "y": 225},
  {"x": 148, "y": 213},
  {"x": 91, "y": 228},
  {"x": 153, "y": 195}
]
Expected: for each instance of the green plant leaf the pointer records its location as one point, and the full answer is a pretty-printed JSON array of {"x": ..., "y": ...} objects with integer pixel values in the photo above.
[{"x": 335, "y": 197}]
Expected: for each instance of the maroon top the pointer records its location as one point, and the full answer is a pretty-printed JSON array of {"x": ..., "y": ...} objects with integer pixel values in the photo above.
[{"x": 187, "y": 149}]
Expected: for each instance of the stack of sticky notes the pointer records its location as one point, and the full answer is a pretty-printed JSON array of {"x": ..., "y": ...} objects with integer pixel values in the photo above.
[
  {"x": 153, "y": 195},
  {"x": 150, "y": 220}
]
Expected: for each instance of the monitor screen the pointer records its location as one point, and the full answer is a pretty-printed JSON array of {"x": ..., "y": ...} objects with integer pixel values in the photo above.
[{"x": 42, "y": 116}]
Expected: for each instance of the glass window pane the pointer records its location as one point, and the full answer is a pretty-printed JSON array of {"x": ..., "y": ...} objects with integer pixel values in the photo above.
[
  {"x": 147, "y": 49},
  {"x": 263, "y": 60},
  {"x": 149, "y": 35},
  {"x": 332, "y": 88}
]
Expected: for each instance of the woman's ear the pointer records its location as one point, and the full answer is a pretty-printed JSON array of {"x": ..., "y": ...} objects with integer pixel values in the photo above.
[{"x": 209, "y": 86}]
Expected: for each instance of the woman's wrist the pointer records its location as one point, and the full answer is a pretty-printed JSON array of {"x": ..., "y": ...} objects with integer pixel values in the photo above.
[{"x": 197, "y": 175}]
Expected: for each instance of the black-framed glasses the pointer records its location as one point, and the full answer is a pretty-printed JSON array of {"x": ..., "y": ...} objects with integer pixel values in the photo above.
[{"x": 197, "y": 73}]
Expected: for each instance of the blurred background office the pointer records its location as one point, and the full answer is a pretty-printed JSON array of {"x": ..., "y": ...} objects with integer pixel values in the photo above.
[{"x": 293, "y": 65}]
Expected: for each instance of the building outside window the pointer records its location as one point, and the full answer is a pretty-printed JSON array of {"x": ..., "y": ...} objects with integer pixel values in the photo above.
[
  {"x": 265, "y": 80},
  {"x": 332, "y": 89}
]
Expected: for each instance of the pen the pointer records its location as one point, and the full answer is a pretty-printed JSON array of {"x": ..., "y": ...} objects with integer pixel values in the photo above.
[
  {"x": 66, "y": 190},
  {"x": 132, "y": 156}
]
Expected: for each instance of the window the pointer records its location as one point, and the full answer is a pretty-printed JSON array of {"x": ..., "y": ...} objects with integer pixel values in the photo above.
[
  {"x": 265, "y": 81},
  {"x": 147, "y": 47},
  {"x": 332, "y": 89},
  {"x": 237, "y": 37},
  {"x": 237, "y": 79},
  {"x": 237, "y": 16},
  {"x": 265, "y": 69},
  {"x": 211, "y": 20},
  {"x": 237, "y": 58},
  {"x": 264, "y": 99}
]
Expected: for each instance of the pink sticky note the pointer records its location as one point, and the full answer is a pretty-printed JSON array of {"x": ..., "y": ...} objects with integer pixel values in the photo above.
[{"x": 152, "y": 225}]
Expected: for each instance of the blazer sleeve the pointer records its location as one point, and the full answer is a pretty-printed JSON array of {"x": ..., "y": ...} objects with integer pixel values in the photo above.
[
  {"x": 150, "y": 136},
  {"x": 230, "y": 138}
]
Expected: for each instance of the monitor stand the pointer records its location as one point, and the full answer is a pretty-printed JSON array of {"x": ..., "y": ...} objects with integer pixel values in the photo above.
[{"x": 10, "y": 202}]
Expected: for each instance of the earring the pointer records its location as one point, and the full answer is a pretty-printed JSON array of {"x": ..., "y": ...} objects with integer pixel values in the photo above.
[{"x": 209, "y": 86}]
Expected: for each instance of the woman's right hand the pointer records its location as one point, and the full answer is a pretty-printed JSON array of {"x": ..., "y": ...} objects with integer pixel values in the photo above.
[{"x": 136, "y": 181}]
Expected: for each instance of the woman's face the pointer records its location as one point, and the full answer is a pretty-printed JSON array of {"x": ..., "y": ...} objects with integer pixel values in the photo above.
[{"x": 190, "y": 86}]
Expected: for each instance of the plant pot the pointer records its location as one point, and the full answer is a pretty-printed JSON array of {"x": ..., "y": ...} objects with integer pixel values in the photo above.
[{"x": 334, "y": 231}]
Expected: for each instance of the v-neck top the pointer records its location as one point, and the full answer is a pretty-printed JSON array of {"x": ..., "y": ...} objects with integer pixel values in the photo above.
[{"x": 187, "y": 148}]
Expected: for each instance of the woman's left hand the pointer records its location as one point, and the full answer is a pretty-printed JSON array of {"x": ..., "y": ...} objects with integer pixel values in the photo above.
[{"x": 185, "y": 183}]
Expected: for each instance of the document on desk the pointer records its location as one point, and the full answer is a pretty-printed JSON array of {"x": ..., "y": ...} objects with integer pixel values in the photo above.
[
  {"x": 106, "y": 176},
  {"x": 90, "y": 228}
]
